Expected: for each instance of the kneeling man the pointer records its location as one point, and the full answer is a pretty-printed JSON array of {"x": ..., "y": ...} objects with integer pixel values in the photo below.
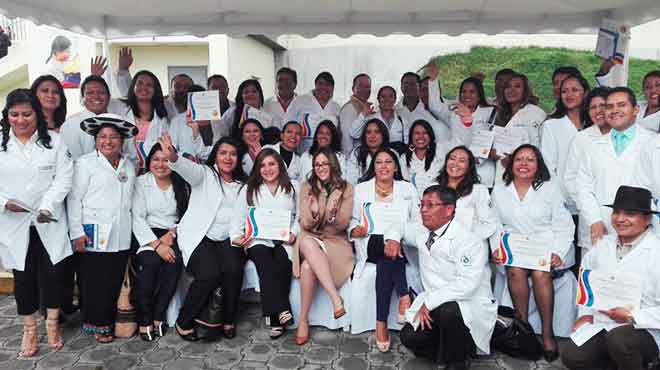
[
  {"x": 623, "y": 338},
  {"x": 457, "y": 310}
]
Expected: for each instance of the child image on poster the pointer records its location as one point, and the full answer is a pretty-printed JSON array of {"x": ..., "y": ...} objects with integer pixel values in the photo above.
[{"x": 63, "y": 63}]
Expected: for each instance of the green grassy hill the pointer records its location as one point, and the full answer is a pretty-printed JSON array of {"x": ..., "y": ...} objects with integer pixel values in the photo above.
[{"x": 537, "y": 63}]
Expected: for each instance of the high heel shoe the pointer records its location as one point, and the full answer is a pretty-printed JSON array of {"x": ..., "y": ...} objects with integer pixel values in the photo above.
[
  {"x": 229, "y": 332},
  {"x": 340, "y": 312},
  {"x": 29, "y": 344},
  {"x": 160, "y": 330},
  {"x": 53, "y": 331},
  {"x": 383, "y": 347},
  {"x": 551, "y": 355},
  {"x": 190, "y": 337},
  {"x": 147, "y": 336},
  {"x": 302, "y": 339}
]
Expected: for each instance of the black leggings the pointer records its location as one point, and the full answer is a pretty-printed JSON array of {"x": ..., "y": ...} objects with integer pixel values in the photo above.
[
  {"x": 390, "y": 275},
  {"x": 274, "y": 269}
]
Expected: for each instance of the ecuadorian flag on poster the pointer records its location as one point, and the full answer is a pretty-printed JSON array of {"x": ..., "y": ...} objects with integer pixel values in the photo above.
[{"x": 585, "y": 294}]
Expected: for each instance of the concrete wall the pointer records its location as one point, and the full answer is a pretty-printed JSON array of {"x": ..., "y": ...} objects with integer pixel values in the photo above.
[{"x": 248, "y": 58}]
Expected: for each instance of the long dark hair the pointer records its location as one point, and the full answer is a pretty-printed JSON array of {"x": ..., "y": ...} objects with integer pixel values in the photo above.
[
  {"x": 255, "y": 180},
  {"x": 180, "y": 187},
  {"x": 335, "y": 181},
  {"x": 335, "y": 141},
  {"x": 363, "y": 150},
  {"x": 471, "y": 176},
  {"x": 600, "y": 91},
  {"x": 240, "y": 104},
  {"x": 430, "y": 150},
  {"x": 157, "y": 100},
  {"x": 479, "y": 86},
  {"x": 505, "y": 111},
  {"x": 21, "y": 96},
  {"x": 371, "y": 172},
  {"x": 59, "y": 44},
  {"x": 560, "y": 107},
  {"x": 542, "y": 172},
  {"x": 237, "y": 174},
  {"x": 59, "y": 116}
]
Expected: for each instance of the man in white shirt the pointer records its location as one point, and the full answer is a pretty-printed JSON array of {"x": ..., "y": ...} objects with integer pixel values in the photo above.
[
  {"x": 609, "y": 161},
  {"x": 357, "y": 104},
  {"x": 286, "y": 80},
  {"x": 410, "y": 107},
  {"x": 621, "y": 337},
  {"x": 177, "y": 101},
  {"x": 457, "y": 311}
]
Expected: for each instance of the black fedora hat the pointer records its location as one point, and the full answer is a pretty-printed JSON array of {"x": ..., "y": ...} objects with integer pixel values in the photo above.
[
  {"x": 630, "y": 198},
  {"x": 92, "y": 125}
]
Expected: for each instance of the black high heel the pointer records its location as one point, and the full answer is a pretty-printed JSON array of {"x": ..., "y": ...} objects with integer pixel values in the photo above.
[
  {"x": 148, "y": 336},
  {"x": 190, "y": 337},
  {"x": 551, "y": 355},
  {"x": 160, "y": 330},
  {"x": 230, "y": 332}
]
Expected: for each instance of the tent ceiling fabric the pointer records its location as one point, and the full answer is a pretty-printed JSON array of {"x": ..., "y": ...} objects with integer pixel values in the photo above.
[{"x": 122, "y": 18}]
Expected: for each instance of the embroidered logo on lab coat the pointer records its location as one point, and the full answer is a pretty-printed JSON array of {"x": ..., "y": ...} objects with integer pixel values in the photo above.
[{"x": 466, "y": 260}]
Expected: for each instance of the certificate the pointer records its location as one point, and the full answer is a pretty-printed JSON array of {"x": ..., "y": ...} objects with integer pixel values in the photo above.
[
  {"x": 204, "y": 105},
  {"x": 604, "y": 290},
  {"x": 27, "y": 208},
  {"x": 379, "y": 217},
  {"x": 97, "y": 236},
  {"x": 266, "y": 223},
  {"x": 482, "y": 142},
  {"x": 506, "y": 139},
  {"x": 525, "y": 251},
  {"x": 606, "y": 44}
]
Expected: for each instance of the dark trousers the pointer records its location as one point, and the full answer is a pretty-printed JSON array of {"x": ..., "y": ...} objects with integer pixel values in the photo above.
[
  {"x": 68, "y": 278},
  {"x": 390, "y": 275},
  {"x": 578, "y": 250},
  {"x": 623, "y": 348},
  {"x": 274, "y": 270},
  {"x": 212, "y": 265},
  {"x": 448, "y": 340},
  {"x": 101, "y": 277},
  {"x": 38, "y": 267},
  {"x": 156, "y": 283}
]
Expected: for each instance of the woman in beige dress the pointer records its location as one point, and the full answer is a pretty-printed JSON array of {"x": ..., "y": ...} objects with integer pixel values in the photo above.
[{"x": 323, "y": 252}]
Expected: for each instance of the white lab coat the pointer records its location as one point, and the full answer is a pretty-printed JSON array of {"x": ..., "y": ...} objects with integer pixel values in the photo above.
[
  {"x": 307, "y": 111},
  {"x": 348, "y": 113},
  {"x": 99, "y": 196},
  {"x": 183, "y": 140},
  {"x": 542, "y": 211},
  {"x": 647, "y": 175},
  {"x": 77, "y": 141},
  {"x": 602, "y": 172},
  {"x": 643, "y": 259},
  {"x": 576, "y": 153},
  {"x": 353, "y": 169},
  {"x": 224, "y": 125},
  {"x": 405, "y": 199},
  {"x": 454, "y": 269},
  {"x": 398, "y": 127},
  {"x": 306, "y": 165},
  {"x": 206, "y": 198},
  {"x": 440, "y": 128},
  {"x": 152, "y": 208},
  {"x": 273, "y": 107},
  {"x": 557, "y": 136},
  {"x": 416, "y": 173},
  {"x": 265, "y": 199},
  {"x": 293, "y": 169},
  {"x": 40, "y": 178},
  {"x": 482, "y": 119},
  {"x": 411, "y": 115}
]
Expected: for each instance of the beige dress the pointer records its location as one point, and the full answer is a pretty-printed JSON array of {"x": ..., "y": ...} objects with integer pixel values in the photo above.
[{"x": 333, "y": 236}]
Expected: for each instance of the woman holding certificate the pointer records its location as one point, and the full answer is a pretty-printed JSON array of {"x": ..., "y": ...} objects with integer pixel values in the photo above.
[
  {"x": 263, "y": 225},
  {"x": 326, "y": 136},
  {"x": 323, "y": 252},
  {"x": 36, "y": 173},
  {"x": 422, "y": 159},
  {"x": 100, "y": 220},
  {"x": 375, "y": 136},
  {"x": 469, "y": 121},
  {"x": 159, "y": 201},
  {"x": 531, "y": 211},
  {"x": 203, "y": 233},
  {"x": 381, "y": 201}
]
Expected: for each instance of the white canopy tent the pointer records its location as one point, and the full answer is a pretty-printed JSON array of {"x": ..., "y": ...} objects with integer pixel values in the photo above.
[{"x": 124, "y": 18}]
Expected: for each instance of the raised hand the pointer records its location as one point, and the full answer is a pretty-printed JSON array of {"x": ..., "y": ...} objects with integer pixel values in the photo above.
[
  {"x": 99, "y": 65},
  {"x": 432, "y": 70},
  {"x": 125, "y": 59},
  {"x": 166, "y": 145}
]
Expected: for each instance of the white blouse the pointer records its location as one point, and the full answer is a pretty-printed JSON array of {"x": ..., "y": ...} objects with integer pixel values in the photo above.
[
  {"x": 307, "y": 111},
  {"x": 221, "y": 225},
  {"x": 556, "y": 139},
  {"x": 153, "y": 208}
]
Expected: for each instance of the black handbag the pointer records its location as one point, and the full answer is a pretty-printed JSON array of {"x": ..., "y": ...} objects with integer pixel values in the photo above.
[
  {"x": 516, "y": 340},
  {"x": 208, "y": 324}
]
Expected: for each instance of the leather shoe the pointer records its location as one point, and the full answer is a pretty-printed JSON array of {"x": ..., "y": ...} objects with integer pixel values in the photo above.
[
  {"x": 229, "y": 333},
  {"x": 551, "y": 355}
]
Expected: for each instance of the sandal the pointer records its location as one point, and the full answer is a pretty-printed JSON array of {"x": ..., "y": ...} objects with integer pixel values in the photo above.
[
  {"x": 103, "y": 334},
  {"x": 54, "y": 335},
  {"x": 276, "y": 331},
  {"x": 339, "y": 312},
  {"x": 29, "y": 345},
  {"x": 285, "y": 318},
  {"x": 147, "y": 335},
  {"x": 160, "y": 329}
]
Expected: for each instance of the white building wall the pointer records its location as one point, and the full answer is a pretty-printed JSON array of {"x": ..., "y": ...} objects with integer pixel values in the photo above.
[{"x": 248, "y": 58}]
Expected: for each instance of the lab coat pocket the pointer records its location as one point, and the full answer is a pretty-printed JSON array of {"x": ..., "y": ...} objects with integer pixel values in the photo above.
[{"x": 96, "y": 216}]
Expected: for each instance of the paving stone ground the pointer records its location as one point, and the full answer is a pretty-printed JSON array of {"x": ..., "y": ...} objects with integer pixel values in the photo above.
[{"x": 251, "y": 349}]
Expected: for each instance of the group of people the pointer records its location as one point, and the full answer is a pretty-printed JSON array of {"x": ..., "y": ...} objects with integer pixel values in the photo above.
[{"x": 387, "y": 199}]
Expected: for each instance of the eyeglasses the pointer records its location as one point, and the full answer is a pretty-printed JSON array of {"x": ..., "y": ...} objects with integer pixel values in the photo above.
[{"x": 321, "y": 165}]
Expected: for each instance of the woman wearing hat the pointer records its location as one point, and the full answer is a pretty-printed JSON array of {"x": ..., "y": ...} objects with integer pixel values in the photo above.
[
  {"x": 100, "y": 221},
  {"x": 36, "y": 173}
]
